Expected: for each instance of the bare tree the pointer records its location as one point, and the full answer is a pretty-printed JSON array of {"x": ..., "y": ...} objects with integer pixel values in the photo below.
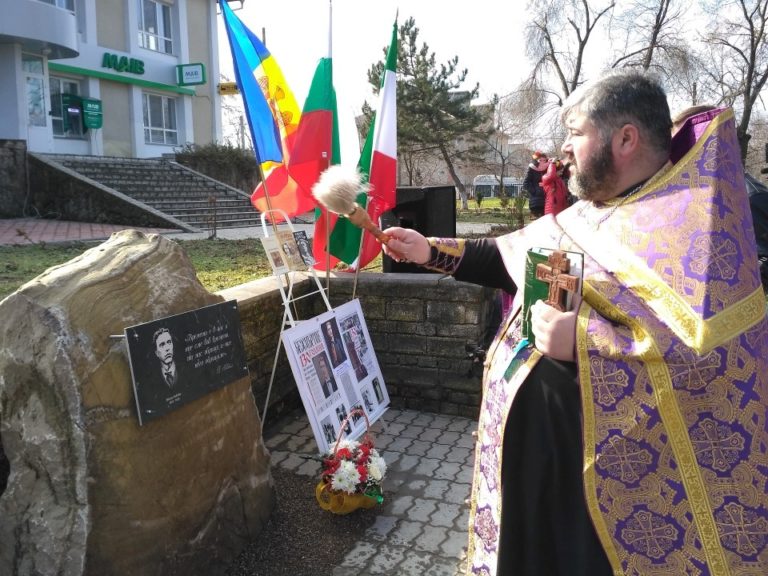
[
  {"x": 557, "y": 38},
  {"x": 236, "y": 132},
  {"x": 651, "y": 33},
  {"x": 739, "y": 49}
]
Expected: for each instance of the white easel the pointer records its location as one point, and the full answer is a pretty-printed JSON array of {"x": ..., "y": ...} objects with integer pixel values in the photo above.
[{"x": 286, "y": 292}]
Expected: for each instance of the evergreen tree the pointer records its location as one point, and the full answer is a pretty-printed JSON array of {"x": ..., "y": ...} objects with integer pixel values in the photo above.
[{"x": 434, "y": 115}]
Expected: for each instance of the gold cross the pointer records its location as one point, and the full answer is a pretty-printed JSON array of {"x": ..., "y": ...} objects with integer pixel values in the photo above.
[{"x": 555, "y": 273}]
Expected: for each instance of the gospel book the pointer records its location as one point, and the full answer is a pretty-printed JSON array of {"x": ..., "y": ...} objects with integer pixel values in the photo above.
[{"x": 553, "y": 276}]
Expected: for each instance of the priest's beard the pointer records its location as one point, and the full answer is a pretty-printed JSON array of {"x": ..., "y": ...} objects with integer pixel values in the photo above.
[{"x": 596, "y": 179}]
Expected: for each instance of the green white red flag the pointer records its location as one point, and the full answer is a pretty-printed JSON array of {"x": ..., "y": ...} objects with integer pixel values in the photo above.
[{"x": 378, "y": 165}]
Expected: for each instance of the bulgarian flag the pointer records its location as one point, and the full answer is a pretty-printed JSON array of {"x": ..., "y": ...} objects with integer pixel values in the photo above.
[
  {"x": 272, "y": 112},
  {"x": 378, "y": 164},
  {"x": 320, "y": 128}
]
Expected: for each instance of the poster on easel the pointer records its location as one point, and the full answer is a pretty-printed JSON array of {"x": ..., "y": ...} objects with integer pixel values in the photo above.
[
  {"x": 288, "y": 251},
  {"x": 336, "y": 370}
]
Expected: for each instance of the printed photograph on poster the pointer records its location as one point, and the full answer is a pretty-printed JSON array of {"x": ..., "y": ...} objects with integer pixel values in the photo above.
[
  {"x": 305, "y": 247},
  {"x": 290, "y": 249},
  {"x": 332, "y": 339},
  {"x": 336, "y": 370},
  {"x": 274, "y": 255}
]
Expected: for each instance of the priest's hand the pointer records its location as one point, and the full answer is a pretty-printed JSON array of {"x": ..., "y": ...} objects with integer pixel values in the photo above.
[
  {"x": 406, "y": 245},
  {"x": 555, "y": 331}
]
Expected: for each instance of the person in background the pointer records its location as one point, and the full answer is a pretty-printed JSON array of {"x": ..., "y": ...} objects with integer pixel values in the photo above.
[
  {"x": 555, "y": 192},
  {"x": 532, "y": 183},
  {"x": 631, "y": 439}
]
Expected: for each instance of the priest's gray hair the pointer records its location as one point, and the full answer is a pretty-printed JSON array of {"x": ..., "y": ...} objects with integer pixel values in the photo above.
[{"x": 624, "y": 96}]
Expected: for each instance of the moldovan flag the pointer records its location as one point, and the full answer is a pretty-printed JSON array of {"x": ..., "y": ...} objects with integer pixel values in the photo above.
[
  {"x": 271, "y": 109},
  {"x": 315, "y": 147},
  {"x": 378, "y": 162}
]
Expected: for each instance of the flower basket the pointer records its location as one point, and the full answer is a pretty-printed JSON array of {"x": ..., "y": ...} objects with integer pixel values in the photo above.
[{"x": 352, "y": 473}]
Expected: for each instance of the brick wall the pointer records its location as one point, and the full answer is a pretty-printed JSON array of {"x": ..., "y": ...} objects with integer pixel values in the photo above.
[{"x": 423, "y": 328}]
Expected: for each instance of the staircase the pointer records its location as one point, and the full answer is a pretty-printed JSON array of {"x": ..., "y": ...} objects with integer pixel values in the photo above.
[{"x": 170, "y": 188}]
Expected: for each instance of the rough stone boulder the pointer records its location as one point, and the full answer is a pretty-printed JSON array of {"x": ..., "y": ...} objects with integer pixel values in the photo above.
[{"x": 90, "y": 491}]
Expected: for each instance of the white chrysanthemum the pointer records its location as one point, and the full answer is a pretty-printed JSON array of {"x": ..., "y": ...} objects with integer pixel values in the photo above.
[
  {"x": 350, "y": 445},
  {"x": 377, "y": 467},
  {"x": 346, "y": 478}
]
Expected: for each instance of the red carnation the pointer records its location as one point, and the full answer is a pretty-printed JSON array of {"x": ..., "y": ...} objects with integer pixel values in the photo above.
[
  {"x": 363, "y": 471},
  {"x": 331, "y": 466},
  {"x": 344, "y": 454}
]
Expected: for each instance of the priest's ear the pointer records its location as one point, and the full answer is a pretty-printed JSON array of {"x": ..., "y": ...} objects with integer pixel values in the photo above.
[{"x": 626, "y": 142}]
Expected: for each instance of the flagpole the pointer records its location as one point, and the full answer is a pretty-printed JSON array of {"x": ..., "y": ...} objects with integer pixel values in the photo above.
[
  {"x": 359, "y": 252},
  {"x": 328, "y": 163}
]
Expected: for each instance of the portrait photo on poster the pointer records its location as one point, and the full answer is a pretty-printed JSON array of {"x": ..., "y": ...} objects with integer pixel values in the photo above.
[
  {"x": 324, "y": 375},
  {"x": 287, "y": 241},
  {"x": 333, "y": 342},
  {"x": 177, "y": 359}
]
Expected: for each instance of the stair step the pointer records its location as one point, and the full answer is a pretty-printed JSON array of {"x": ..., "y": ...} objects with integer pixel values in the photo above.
[{"x": 167, "y": 188}]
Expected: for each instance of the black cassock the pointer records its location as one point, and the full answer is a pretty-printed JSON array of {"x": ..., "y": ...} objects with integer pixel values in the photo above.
[{"x": 545, "y": 527}]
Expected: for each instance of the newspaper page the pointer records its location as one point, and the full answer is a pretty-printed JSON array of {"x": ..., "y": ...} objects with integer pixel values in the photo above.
[{"x": 336, "y": 370}]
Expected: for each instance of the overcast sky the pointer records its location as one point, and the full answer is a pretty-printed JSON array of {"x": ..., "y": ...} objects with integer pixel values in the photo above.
[{"x": 486, "y": 35}]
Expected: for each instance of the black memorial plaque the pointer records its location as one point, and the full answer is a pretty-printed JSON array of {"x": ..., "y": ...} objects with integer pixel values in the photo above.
[{"x": 178, "y": 359}]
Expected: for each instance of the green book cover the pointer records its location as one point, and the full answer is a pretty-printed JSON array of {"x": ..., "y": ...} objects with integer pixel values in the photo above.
[{"x": 535, "y": 289}]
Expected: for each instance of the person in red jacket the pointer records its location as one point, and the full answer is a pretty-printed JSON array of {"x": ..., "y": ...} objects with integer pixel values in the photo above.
[{"x": 555, "y": 190}]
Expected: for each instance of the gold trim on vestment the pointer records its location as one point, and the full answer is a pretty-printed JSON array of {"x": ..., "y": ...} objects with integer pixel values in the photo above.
[
  {"x": 588, "y": 436},
  {"x": 671, "y": 417},
  {"x": 698, "y": 334},
  {"x": 515, "y": 382}
]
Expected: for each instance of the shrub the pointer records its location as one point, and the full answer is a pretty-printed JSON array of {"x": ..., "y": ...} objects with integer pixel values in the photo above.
[{"x": 223, "y": 162}]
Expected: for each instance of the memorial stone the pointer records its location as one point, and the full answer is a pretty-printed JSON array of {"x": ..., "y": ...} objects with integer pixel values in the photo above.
[{"x": 90, "y": 492}]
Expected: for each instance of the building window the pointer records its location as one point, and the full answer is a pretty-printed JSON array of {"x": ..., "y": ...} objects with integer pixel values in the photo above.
[
  {"x": 160, "y": 120},
  {"x": 155, "y": 26},
  {"x": 66, "y": 108},
  {"x": 66, "y": 4},
  {"x": 35, "y": 89}
]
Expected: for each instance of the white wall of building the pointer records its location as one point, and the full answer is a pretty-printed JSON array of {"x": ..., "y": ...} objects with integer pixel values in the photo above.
[{"x": 95, "y": 29}]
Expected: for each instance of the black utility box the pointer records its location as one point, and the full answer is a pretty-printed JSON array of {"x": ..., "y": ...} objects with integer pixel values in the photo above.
[{"x": 430, "y": 210}]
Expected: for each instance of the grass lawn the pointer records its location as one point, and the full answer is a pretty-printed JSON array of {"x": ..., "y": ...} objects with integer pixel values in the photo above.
[{"x": 219, "y": 263}]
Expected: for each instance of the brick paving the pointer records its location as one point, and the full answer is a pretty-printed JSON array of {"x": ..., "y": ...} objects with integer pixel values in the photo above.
[{"x": 421, "y": 529}]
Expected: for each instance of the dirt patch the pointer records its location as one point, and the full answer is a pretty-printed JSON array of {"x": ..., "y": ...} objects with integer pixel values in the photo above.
[{"x": 301, "y": 539}]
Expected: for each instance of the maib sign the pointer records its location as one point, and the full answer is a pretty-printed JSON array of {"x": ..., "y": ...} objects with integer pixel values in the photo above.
[{"x": 190, "y": 74}]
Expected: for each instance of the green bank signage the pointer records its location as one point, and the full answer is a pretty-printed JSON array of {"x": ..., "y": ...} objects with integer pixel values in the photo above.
[
  {"x": 122, "y": 63},
  {"x": 190, "y": 74},
  {"x": 92, "y": 114}
]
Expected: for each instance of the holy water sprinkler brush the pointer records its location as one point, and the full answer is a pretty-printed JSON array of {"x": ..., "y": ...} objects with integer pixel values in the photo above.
[{"x": 337, "y": 190}]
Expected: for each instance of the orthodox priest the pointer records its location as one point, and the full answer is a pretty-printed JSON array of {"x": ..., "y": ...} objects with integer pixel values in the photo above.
[{"x": 631, "y": 438}]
